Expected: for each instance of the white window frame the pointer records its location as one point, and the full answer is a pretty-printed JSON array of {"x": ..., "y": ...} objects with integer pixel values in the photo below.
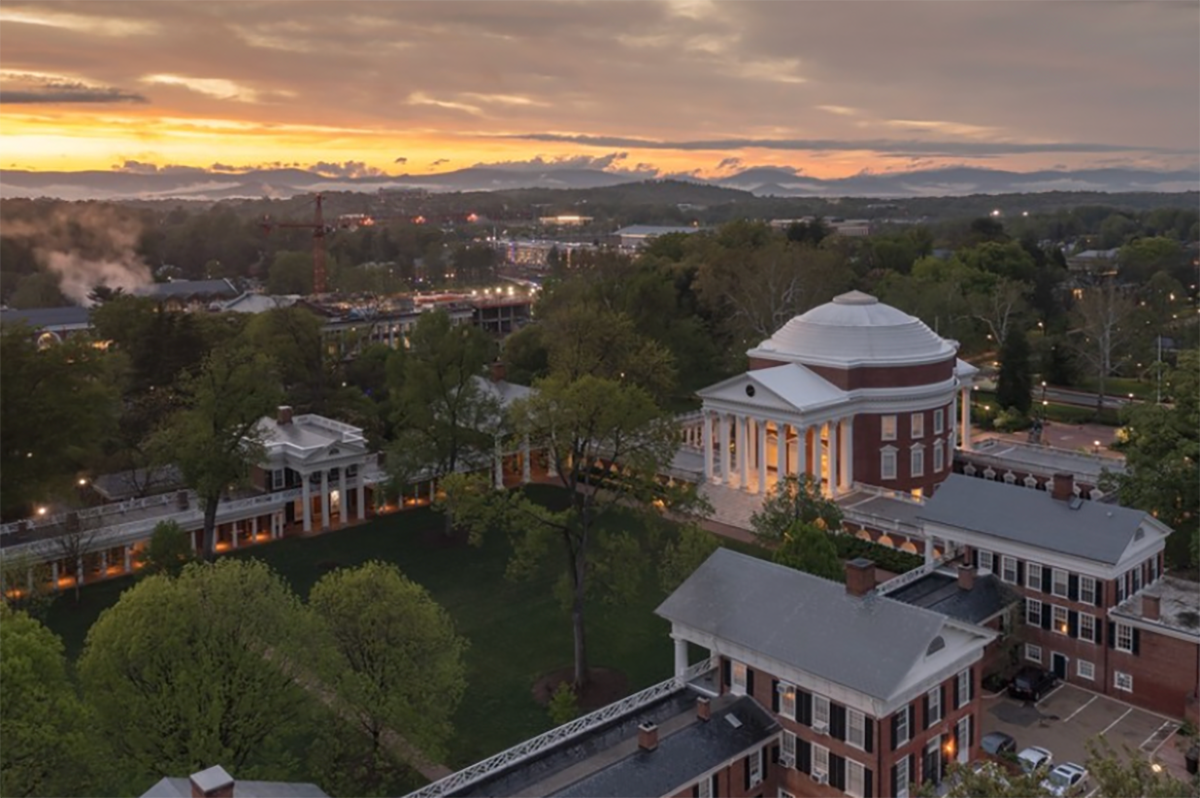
[
  {"x": 1030, "y": 582},
  {"x": 1060, "y": 620},
  {"x": 987, "y": 561},
  {"x": 704, "y": 787},
  {"x": 939, "y": 421},
  {"x": 939, "y": 456},
  {"x": 1029, "y": 605},
  {"x": 1055, "y": 583},
  {"x": 916, "y": 460},
  {"x": 1087, "y": 590},
  {"x": 856, "y": 729},
  {"x": 1121, "y": 587},
  {"x": 856, "y": 779},
  {"x": 1123, "y": 681},
  {"x": 903, "y": 734},
  {"x": 917, "y": 424},
  {"x": 1125, "y": 631},
  {"x": 820, "y": 760},
  {"x": 1005, "y": 572},
  {"x": 820, "y": 710},
  {"x": 756, "y": 768},
  {"x": 1087, "y": 622},
  {"x": 935, "y": 705},
  {"x": 278, "y": 478},
  {"x": 788, "y": 746},
  {"x": 964, "y": 688},
  {"x": 887, "y": 428},
  {"x": 1085, "y": 670},
  {"x": 1137, "y": 577},
  {"x": 737, "y": 685},
  {"x": 787, "y": 700},
  {"x": 887, "y": 462},
  {"x": 1033, "y": 653},
  {"x": 903, "y": 777}
]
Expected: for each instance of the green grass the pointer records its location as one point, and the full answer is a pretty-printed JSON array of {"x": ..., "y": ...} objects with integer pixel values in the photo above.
[{"x": 517, "y": 630}]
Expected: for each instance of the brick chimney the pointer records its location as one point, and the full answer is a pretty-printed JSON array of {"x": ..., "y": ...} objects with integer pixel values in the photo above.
[
  {"x": 1064, "y": 487},
  {"x": 647, "y": 736},
  {"x": 966, "y": 577},
  {"x": 860, "y": 576},
  {"x": 499, "y": 372},
  {"x": 285, "y": 415},
  {"x": 1151, "y": 608},
  {"x": 212, "y": 783},
  {"x": 703, "y": 708}
]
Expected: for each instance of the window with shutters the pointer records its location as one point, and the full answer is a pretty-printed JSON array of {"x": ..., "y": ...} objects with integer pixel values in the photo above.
[
  {"x": 1033, "y": 653},
  {"x": 1059, "y": 586},
  {"x": 1087, "y": 627},
  {"x": 939, "y": 456},
  {"x": 856, "y": 781},
  {"x": 964, "y": 688},
  {"x": 1033, "y": 612},
  {"x": 986, "y": 561},
  {"x": 1060, "y": 620},
  {"x": 887, "y": 428},
  {"x": 902, "y": 778},
  {"x": 820, "y": 761},
  {"x": 704, "y": 788},
  {"x": 856, "y": 728},
  {"x": 787, "y": 700},
  {"x": 756, "y": 763},
  {"x": 1008, "y": 569},
  {"x": 887, "y": 462},
  {"x": 787, "y": 751},
  {"x": 1087, "y": 590},
  {"x": 1124, "y": 637},
  {"x": 1033, "y": 576},
  {"x": 934, "y": 697},
  {"x": 738, "y": 684},
  {"x": 939, "y": 421},
  {"x": 918, "y": 425},
  {"x": 1121, "y": 588},
  {"x": 820, "y": 711},
  {"x": 1123, "y": 681},
  {"x": 277, "y": 479},
  {"x": 901, "y": 727},
  {"x": 1137, "y": 579},
  {"x": 917, "y": 457},
  {"x": 1085, "y": 669}
]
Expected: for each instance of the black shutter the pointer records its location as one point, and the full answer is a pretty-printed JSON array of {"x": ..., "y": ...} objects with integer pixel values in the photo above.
[
  {"x": 726, "y": 672},
  {"x": 1073, "y": 587},
  {"x": 713, "y": 790},
  {"x": 1046, "y": 577},
  {"x": 749, "y": 681},
  {"x": 970, "y": 684},
  {"x": 837, "y": 721},
  {"x": 1136, "y": 635},
  {"x": 956, "y": 695},
  {"x": 867, "y": 785},
  {"x": 803, "y": 755},
  {"x": 775, "y": 696},
  {"x": 746, "y": 773},
  {"x": 944, "y": 711},
  {"x": 1099, "y": 593},
  {"x": 868, "y": 733},
  {"x": 974, "y": 557},
  {"x": 912, "y": 722},
  {"x": 765, "y": 759},
  {"x": 696, "y": 790},
  {"x": 895, "y": 780},
  {"x": 1047, "y": 616},
  {"x": 1072, "y": 623},
  {"x": 925, "y": 703},
  {"x": 1020, "y": 572},
  {"x": 971, "y": 731},
  {"x": 1098, "y": 627},
  {"x": 896, "y": 727},
  {"x": 804, "y": 698},
  {"x": 837, "y": 771},
  {"x": 1112, "y": 634}
]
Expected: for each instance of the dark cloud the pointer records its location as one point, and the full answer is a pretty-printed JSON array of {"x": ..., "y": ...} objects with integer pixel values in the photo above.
[
  {"x": 729, "y": 163},
  {"x": 539, "y": 162},
  {"x": 68, "y": 93},
  {"x": 401, "y": 160},
  {"x": 441, "y": 161}
]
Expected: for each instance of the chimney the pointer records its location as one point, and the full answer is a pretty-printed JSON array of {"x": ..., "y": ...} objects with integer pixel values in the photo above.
[
  {"x": 1064, "y": 487},
  {"x": 860, "y": 576},
  {"x": 212, "y": 783},
  {"x": 647, "y": 736},
  {"x": 498, "y": 371},
  {"x": 285, "y": 415},
  {"x": 1151, "y": 608},
  {"x": 703, "y": 708}
]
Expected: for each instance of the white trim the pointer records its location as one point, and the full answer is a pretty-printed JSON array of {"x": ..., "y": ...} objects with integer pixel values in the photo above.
[
  {"x": 1030, "y": 582},
  {"x": 1117, "y": 637},
  {"x": 1080, "y": 666},
  {"x": 1033, "y": 653},
  {"x": 1047, "y": 558},
  {"x": 1123, "y": 681},
  {"x": 917, "y": 430},
  {"x": 886, "y": 453},
  {"x": 884, "y": 422},
  {"x": 916, "y": 452},
  {"x": 1054, "y": 583}
]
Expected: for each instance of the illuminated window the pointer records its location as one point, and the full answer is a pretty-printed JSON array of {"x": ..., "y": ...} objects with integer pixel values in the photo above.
[
  {"x": 887, "y": 428},
  {"x": 787, "y": 701},
  {"x": 1060, "y": 620},
  {"x": 739, "y": 679},
  {"x": 918, "y": 425}
]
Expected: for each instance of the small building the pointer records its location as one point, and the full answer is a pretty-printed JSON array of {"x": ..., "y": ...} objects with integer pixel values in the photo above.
[
  {"x": 50, "y": 325},
  {"x": 638, "y": 235},
  {"x": 215, "y": 782}
]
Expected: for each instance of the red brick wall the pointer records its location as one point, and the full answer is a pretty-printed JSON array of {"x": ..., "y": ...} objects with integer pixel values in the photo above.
[
  {"x": 868, "y": 441},
  {"x": 1165, "y": 671}
]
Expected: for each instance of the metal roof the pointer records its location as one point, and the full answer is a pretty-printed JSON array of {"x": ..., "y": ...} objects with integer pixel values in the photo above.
[
  {"x": 941, "y": 593},
  {"x": 1094, "y": 531},
  {"x": 188, "y": 288},
  {"x": 182, "y": 788},
  {"x": 869, "y": 644},
  {"x": 41, "y": 318}
]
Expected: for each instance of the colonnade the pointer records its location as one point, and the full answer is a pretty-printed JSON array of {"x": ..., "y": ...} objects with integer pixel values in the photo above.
[{"x": 326, "y": 497}]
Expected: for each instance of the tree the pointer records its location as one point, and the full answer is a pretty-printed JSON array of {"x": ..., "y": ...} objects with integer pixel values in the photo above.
[
  {"x": 38, "y": 290},
  {"x": 1102, "y": 329},
  {"x": 1014, "y": 385},
  {"x": 185, "y": 672},
  {"x": 42, "y": 721},
  {"x": 526, "y": 354},
  {"x": 170, "y": 549},
  {"x": 291, "y": 273},
  {"x": 1131, "y": 775},
  {"x": 1000, "y": 307},
  {"x": 795, "y": 500},
  {"x": 394, "y": 657},
  {"x": 215, "y": 439},
  {"x": 27, "y": 586},
  {"x": 683, "y": 555},
  {"x": 806, "y": 547},
  {"x": 564, "y": 707},
  {"x": 73, "y": 543}
]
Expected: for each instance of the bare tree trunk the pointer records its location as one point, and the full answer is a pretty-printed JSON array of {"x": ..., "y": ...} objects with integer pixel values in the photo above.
[
  {"x": 581, "y": 668},
  {"x": 210, "y": 527}
]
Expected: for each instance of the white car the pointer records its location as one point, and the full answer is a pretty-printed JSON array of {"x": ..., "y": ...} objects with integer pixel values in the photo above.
[
  {"x": 1035, "y": 757},
  {"x": 1065, "y": 779}
]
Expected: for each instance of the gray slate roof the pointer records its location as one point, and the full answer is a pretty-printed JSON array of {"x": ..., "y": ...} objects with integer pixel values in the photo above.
[
  {"x": 189, "y": 288},
  {"x": 868, "y": 644},
  {"x": 182, "y": 788},
  {"x": 47, "y": 317},
  {"x": 1094, "y": 531},
  {"x": 941, "y": 593}
]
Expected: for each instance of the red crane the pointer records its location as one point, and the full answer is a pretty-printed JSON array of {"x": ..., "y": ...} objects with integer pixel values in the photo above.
[{"x": 319, "y": 228}]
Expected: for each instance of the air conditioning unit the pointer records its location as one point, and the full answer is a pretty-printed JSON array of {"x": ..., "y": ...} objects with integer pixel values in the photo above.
[
  {"x": 820, "y": 727},
  {"x": 787, "y": 760},
  {"x": 819, "y": 777}
]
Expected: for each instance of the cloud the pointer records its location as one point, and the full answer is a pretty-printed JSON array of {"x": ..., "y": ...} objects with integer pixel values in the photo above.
[
  {"x": 33, "y": 87},
  {"x": 440, "y": 161},
  {"x": 347, "y": 169},
  {"x": 729, "y": 163},
  {"x": 421, "y": 98},
  {"x": 401, "y": 160},
  {"x": 606, "y": 163},
  {"x": 220, "y": 88}
]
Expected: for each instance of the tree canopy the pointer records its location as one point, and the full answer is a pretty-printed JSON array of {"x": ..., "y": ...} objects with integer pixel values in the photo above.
[{"x": 796, "y": 500}]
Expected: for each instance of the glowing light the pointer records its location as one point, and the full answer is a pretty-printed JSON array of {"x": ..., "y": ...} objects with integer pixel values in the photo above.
[
  {"x": 41, "y": 511},
  {"x": 82, "y": 482}
]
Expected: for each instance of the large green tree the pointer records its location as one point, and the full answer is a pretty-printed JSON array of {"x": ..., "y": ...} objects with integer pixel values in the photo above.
[
  {"x": 796, "y": 500},
  {"x": 807, "y": 547},
  {"x": 1014, "y": 385},
  {"x": 185, "y": 672},
  {"x": 215, "y": 438},
  {"x": 169, "y": 550}
]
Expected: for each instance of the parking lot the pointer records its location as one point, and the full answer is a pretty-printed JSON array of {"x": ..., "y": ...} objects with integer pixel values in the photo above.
[{"x": 1065, "y": 719}]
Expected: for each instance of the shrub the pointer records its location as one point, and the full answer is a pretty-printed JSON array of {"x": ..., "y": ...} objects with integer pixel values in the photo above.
[
  {"x": 563, "y": 707},
  {"x": 850, "y": 547},
  {"x": 1012, "y": 420}
]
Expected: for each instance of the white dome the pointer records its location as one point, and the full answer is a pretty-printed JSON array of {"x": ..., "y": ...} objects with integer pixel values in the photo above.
[{"x": 855, "y": 329}]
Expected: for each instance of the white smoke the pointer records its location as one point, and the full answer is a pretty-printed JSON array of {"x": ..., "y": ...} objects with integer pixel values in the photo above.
[{"x": 87, "y": 245}]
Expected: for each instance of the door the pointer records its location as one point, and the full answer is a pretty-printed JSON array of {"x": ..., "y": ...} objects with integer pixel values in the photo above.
[
  {"x": 962, "y": 739},
  {"x": 931, "y": 767},
  {"x": 1058, "y": 663}
]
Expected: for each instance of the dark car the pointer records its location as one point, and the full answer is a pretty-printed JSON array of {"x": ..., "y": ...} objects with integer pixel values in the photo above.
[
  {"x": 1031, "y": 683},
  {"x": 998, "y": 744}
]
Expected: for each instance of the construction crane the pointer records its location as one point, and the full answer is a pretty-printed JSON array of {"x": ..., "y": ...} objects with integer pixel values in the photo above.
[{"x": 319, "y": 228}]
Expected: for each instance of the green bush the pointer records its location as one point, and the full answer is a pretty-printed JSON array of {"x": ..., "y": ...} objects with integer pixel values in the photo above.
[
  {"x": 899, "y": 562},
  {"x": 1012, "y": 420},
  {"x": 563, "y": 706}
]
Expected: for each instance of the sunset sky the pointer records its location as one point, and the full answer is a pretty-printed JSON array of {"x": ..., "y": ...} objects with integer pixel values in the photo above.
[{"x": 690, "y": 86}]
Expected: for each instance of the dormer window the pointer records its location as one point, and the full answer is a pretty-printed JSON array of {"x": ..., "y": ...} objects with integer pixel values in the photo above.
[{"x": 935, "y": 645}]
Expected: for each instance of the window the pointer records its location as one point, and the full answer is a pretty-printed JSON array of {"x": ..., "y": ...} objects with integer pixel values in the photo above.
[
  {"x": 1123, "y": 681},
  {"x": 1060, "y": 620},
  {"x": 738, "y": 686},
  {"x": 277, "y": 479},
  {"x": 986, "y": 561},
  {"x": 1033, "y": 576},
  {"x": 1124, "y": 637},
  {"x": 1009, "y": 570},
  {"x": 788, "y": 751},
  {"x": 902, "y": 777},
  {"x": 887, "y": 463},
  {"x": 1087, "y": 590},
  {"x": 704, "y": 787},
  {"x": 820, "y": 707},
  {"x": 1137, "y": 579},
  {"x": 939, "y": 456},
  {"x": 820, "y": 760},
  {"x": 856, "y": 781},
  {"x": 1121, "y": 588},
  {"x": 939, "y": 421},
  {"x": 934, "y": 697},
  {"x": 918, "y": 461},
  {"x": 887, "y": 428},
  {"x": 964, "y": 688},
  {"x": 787, "y": 701},
  {"x": 1153, "y": 569},
  {"x": 1033, "y": 612},
  {"x": 1033, "y": 653},
  {"x": 1085, "y": 669},
  {"x": 918, "y": 425},
  {"x": 1087, "y": 627},
  {"x": 856, "y": 729},
  {"x": 902, "y": 727},
  {"x": 1059, "y": 585},
  {"x": 756, "y": 763}
]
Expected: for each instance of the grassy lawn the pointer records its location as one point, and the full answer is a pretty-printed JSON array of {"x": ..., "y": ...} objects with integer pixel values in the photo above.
[{"x": 517, "y": 630}]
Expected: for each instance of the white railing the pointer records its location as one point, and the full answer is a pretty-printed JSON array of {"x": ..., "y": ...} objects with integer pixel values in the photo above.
[
  {"x": 882, "y": 522},
  {"x": 557, "y": 736},
  {"x": 888, "y": 493},
  {"x": 117, "y": 508},
  {"x": 915, "y": 574},
  {"x": 1088, "y": 464}
]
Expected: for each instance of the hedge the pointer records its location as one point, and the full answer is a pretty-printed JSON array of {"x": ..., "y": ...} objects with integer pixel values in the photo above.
[{"x": 894, "y": 560}]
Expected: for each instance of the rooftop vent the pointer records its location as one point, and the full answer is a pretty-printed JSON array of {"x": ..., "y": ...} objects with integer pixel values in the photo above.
[
  {"x": 733, "y": 720},
  {"x": 1075, "y": 503}
]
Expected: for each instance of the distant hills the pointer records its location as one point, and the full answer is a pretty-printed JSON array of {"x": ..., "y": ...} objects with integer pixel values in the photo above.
[{"x": 196, "y": 184}]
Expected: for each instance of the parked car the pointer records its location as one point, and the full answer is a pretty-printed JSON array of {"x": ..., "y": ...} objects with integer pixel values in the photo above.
[
  {"x": 1031, "y": 683},
  {"x": 998, "y": 744},
  {"x": 1066, "y": 779},
  {"x": 1035, "y": 757}
]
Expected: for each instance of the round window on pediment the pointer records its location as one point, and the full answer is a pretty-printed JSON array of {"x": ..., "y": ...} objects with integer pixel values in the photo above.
[{"x": 749, "y": 390}]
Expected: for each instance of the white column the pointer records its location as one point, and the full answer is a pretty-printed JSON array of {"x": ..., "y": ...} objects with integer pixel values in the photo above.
[
  {"x": 233, "y": 532},
  {"x": 846, "y": 438},
  {"x": 707, "y": 444},
  {"x": 743, "y": 452},
  {"x": 762, "y": 456},
  {"x": 128, "y": 558},
  {"x": 341, "y": 488},
  {"x": 801, "y": 452},
  {"x": 254, "y": 528},
  {"x": 781, "y": 445},
  {"x": 965, "y": 400},
  {"x": 929, "y": 549},
  {"x": 834, "y": 439},
  {"x": 723, "y": 421},
  {"x": 307, "y": 492},
  {"x": 498, "y": 466},
  {"x": 324, "y": 498},
  {"x": 525, "y": 467},
  {"x": 681, "y": 656}
]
